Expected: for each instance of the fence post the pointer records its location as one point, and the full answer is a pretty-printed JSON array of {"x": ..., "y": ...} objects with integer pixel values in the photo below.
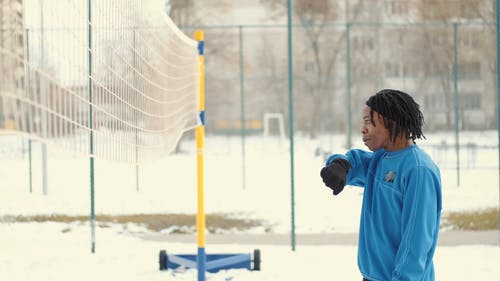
[
  {"x": 28, "y": 95},
  {"x": 91, "y": 136},
  {"x": 242, "y": 107},
  {"x": 348, "y": 84},
  {"x": 291, "y": 117},
  {"x": 456, "y": 101}
]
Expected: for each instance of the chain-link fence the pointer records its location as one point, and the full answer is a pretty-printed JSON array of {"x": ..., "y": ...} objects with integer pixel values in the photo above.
[{"x": 447, "y": 66}]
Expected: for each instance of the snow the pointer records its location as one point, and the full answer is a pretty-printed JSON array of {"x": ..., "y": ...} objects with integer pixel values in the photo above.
[{"x": 58, "y": 251}]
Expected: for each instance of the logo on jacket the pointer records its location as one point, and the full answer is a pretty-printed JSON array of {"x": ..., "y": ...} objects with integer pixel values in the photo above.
[{"x": 389, "y": 177}]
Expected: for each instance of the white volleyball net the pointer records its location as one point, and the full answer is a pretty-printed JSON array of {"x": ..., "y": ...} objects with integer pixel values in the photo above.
[{"x": 120, "y": 69}]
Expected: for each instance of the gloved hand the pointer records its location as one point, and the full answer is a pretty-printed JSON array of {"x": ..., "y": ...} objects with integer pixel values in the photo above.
[{"x": 334, "y": 174}]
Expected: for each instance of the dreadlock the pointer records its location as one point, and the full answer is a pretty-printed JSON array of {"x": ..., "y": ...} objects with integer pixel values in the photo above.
[{"x": 401, "y": 114}]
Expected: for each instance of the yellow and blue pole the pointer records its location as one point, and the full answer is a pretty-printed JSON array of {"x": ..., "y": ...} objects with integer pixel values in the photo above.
[{"x": 200, "y": 138}]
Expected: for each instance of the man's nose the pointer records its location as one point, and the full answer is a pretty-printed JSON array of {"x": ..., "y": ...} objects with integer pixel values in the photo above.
[{"x": 363, "y": 129}]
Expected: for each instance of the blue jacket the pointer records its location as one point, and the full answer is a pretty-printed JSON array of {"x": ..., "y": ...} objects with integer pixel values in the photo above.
[{"x": 400, "y": 215}]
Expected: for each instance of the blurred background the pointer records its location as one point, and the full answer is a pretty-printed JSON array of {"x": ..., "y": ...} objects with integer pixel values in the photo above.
[
  {"x": 99, "y": 99},
  {"x": 443, "y": 52}
]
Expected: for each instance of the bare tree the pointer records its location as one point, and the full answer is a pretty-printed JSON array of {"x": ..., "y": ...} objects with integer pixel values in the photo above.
[
  {"x": 182, "y": 12},
  {"x": 220, "y": 46},
  {"x": 486, "y": 11},
  {"x": 436, "y": 47},
  {"x": 324, "y": 46}
]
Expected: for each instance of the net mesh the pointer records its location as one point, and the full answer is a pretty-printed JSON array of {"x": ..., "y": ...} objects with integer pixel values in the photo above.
[{"x": 123, "y": 72}]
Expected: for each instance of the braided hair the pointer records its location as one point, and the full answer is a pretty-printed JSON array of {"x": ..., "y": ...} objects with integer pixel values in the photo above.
[{"x": 401, "y": 114}]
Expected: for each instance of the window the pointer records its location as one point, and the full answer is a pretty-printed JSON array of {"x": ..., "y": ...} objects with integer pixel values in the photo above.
[
  {"x": 435, "y": 102},
  {"x": 401, "y": 37},
  {"x": 396, "y": 8},
  {"x": 469, "y": 39},
  {"x": 469, "y": 9},
  {"x": 436, "y": 68},
  {"x": 438, "y": 10},
  {"x": 369, "y": 10},
  {"x": 450, "y": 9},
  {"x": 365, "y": 72},
  {"x": 310, "y": 66},
  {"x": 470, "y": 101},
  {"x": 469, "y": 70},
  {"x": 392, "y": 69},
  {"x": 441, "y": 38},
  {"x": 362, "y": 43},
  {"x": 412, "y": 69}
]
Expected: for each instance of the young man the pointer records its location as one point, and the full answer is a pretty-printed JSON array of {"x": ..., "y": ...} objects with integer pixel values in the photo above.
[{"x": 402, "y": 190}]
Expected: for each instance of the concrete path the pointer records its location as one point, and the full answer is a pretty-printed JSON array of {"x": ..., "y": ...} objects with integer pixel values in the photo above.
[{"x": 446, "y": 238}]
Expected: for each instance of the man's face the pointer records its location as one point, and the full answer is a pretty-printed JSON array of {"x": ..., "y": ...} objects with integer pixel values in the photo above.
[{"x": 375, "y": 135}]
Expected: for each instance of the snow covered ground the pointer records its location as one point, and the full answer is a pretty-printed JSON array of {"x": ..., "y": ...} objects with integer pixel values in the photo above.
[
  {"x": 55, "y": 251},
  {"x": 50, "y": 251}
]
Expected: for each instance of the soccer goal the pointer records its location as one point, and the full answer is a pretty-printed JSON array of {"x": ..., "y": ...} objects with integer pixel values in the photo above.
[{"x": 274, "y": 125}]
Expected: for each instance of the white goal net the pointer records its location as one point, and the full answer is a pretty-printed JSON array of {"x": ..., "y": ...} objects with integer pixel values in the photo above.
[
  {"x": 274, "y": 125},
  {"x": 119, "y": 70}
]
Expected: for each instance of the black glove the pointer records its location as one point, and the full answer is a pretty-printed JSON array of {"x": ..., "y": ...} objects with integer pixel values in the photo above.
[{"x": 334, "y": 174}]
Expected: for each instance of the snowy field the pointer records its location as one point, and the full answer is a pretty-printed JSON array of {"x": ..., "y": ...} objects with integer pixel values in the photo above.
[{"x": 55, "y": 251}]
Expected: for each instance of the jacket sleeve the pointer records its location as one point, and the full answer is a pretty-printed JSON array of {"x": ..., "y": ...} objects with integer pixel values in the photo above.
[
  {"x": 360, "y": 161},
  {"x": 421, "y": 212}
]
